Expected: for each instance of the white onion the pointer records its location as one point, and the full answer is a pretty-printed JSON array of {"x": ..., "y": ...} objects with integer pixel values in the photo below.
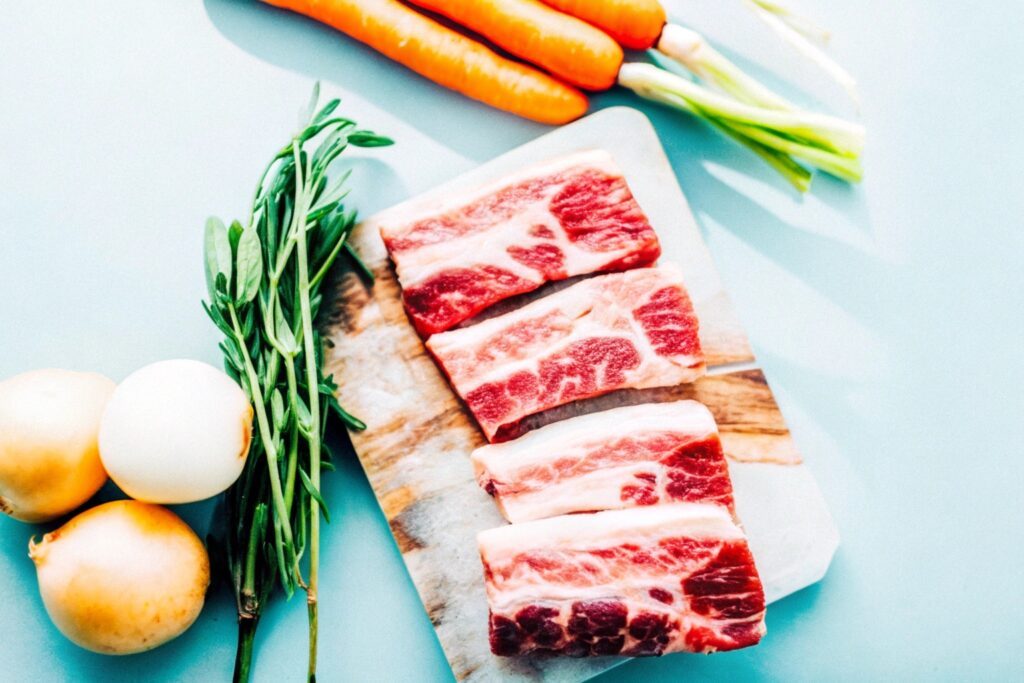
[
  {"x": 123, "y": 577},
  {"x": 49, "y": 460},
  {"x": 176, "y": 431}
]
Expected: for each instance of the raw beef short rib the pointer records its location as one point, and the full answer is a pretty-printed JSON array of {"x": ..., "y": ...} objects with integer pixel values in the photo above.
[
  {"x": 634, "y": 329},
  {"x": 458, "y": 255},
  {"x": 629, "y": 456},
  {"x": 640, "y": 581}
]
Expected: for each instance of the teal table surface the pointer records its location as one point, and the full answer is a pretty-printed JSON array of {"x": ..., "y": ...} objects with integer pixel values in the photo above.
[{"x": 889, "y": 316}]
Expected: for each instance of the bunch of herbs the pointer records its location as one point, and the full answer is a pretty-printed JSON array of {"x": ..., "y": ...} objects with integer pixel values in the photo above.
[{"x": 264, "y": 280}]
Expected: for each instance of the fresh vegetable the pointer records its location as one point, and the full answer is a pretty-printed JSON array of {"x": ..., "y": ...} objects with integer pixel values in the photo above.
[
  {"x": 569, "y": 48},
  {"x": 265, "y": 283},
  {"x": 123, "y": 577},
  {"x": 49, "y": 460},
  {"x": 634, "y": 24},
  {"x": 447, "y": 57},
  {"x": 176, "y": 431},
  {"x": 831, "y": 144},
  {"x": 691, "y": 50},
  {"x": 750, "y": 113}
]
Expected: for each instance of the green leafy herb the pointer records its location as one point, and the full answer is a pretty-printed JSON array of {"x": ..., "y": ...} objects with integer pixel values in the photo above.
[{"x": 263, "y": 282}]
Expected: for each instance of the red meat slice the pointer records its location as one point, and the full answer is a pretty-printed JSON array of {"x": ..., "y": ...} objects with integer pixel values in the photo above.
[
  {"x": 634, "y": 455},
  {"x": 634, "y": 329},
  {"x": 640, "y": 581},
  {"x": 567, "y": 217}
]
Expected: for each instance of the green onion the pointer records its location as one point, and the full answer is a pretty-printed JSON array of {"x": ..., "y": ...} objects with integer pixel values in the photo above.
[{"x": 749, "y": 113}]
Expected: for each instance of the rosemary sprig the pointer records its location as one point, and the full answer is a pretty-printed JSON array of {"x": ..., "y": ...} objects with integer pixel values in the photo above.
[{"x": 264, "y": 283}]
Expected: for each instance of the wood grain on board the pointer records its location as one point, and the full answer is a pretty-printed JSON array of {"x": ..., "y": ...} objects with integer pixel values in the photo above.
[{"x": 416, "y": 450}]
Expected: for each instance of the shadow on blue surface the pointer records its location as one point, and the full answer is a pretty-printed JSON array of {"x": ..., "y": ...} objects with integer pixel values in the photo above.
[
  {"x": 837, "y": 267},
  {"x": 304, "y": 46}
]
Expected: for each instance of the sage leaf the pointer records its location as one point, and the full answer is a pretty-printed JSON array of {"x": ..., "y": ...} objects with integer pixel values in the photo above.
[
  {"x": 218, "y": 318},
  {"x": 249, "y": 260},
  {"x": 284, "y": 335},
  {"x": 217, "y": 249}
]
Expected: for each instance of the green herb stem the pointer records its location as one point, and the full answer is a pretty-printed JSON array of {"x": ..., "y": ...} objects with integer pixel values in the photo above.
[
  {"x": 313, "y": 431},
  {"x": 244, "y": 652},
  {"x": 293, "y": 454},
  {"x": 270, "y": 449}
]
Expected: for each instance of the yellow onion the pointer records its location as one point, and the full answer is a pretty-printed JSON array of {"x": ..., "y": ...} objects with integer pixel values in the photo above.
[
  {"x": 49, "y": 460},
  {"x": 123, "y": 577}
]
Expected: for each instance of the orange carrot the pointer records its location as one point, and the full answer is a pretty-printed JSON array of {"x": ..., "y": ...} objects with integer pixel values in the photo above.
[
  {"x": 447, "y": 57},
  {"x": 568, "y": 47},
  {"x": 634, "y": 23}
]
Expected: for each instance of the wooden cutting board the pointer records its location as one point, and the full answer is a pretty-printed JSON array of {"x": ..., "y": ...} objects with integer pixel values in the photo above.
[{"x": 416, "y": 451}]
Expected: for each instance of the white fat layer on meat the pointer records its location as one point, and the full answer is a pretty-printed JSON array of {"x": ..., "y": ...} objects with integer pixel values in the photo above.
[
  {"x": 491, "y": 248},
  {"x": 591, "y": 308},
  {"x": 553, "y": 441},
  {"x": 573, "y": 439},
  {"x": 397, "y": 220},
  {"x": 640, "y": 526},
  {"x": 486, "y": 248},
  {"x": 597, "y": 490}
]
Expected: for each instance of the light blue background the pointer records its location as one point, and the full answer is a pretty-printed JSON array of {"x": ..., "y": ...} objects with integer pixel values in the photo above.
[{"x": 888, "y": 316}]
